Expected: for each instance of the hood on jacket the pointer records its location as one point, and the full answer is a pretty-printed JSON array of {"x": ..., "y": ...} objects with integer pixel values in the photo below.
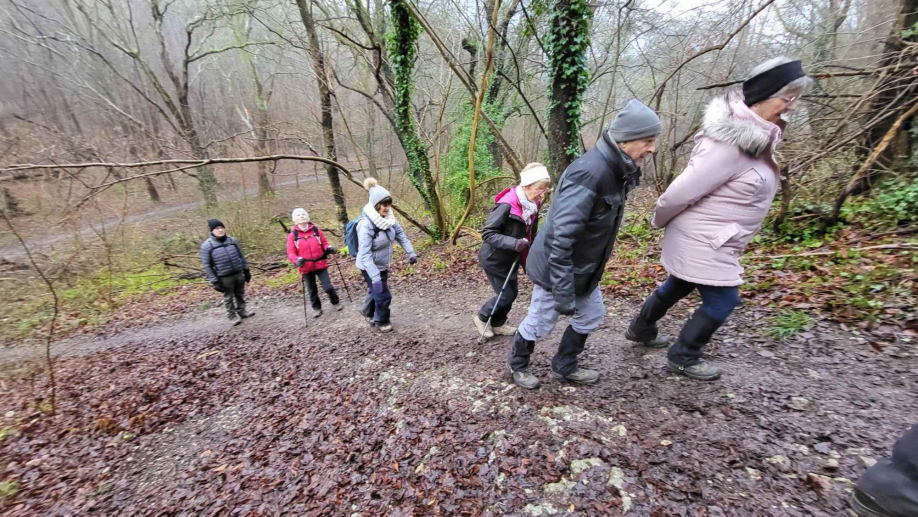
[
  {"x": 727, "y": 119},
  {"x": 619, "y": 161}
]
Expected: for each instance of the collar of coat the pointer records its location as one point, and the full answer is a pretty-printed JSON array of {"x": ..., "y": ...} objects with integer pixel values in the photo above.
[
  {"x": 727, "y": 119},
  {"x": 621, "y": 164}
]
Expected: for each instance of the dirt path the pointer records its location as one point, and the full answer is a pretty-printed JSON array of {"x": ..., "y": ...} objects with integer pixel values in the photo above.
[
  {"x": 41, "y": 243},
  {"x": 336, "y": 419}
]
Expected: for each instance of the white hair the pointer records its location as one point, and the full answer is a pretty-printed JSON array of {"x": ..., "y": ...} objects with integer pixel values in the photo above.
[
  {"x": 298, "y": 210},
  {"x": 799, "y": 85}
]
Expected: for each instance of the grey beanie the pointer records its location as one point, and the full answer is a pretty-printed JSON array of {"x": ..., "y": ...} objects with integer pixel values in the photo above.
[
  {"x": 635, "y": 122},
  {"x": 377, "y": 193}
]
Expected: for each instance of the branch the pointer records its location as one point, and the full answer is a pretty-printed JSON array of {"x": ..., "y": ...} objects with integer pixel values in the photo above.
[
  {"x": 814, "y": 76},
  {"x": 658, "y": 95}
]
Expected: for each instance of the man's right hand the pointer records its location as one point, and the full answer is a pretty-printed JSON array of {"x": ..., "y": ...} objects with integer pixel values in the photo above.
[
  {"x": 300, "y": 262},
  {"x": 565, "y": 307},
  {"x": 218, "y": 286}
]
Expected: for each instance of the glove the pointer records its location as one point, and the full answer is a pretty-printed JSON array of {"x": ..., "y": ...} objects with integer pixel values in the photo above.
[
  {"x": 331, "y": 250},
  {"x": 377, "y": 287},
  {"x": 413, "y": 259},
  {"x": 300, "y": 262},
  {"x": 218, "y": 286},
  {"x": 521, "y": 245},
  {"x": 563, "y": 306},
  {"x": 247, "y": 274}
]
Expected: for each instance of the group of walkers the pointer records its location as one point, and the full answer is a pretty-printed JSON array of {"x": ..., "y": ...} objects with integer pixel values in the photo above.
[{"x": 709, "y": 215}]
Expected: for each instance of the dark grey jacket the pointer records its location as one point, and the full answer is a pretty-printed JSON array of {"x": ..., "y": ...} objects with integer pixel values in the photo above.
[
  {"x": 499, "y": 236},
  {"x": 570, "y": 252},
  {"x": 222, "y": 258}
]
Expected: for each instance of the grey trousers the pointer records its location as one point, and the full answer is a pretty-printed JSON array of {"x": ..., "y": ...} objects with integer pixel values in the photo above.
[
  {"x": 542, "y": 317},
  {"x": 233, "y": 292}
]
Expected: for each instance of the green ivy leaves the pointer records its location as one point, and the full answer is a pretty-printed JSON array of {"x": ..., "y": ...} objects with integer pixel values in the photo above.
[{"x": 566, "y": 43}]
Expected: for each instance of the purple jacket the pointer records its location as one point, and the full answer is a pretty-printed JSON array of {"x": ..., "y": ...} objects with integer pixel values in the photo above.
[{"x": 715, "y": 207}]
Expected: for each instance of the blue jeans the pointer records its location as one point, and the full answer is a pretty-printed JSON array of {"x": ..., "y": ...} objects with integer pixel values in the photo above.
[
  {"x": 376, "y": 305},
  {"x": 717, "y": 302}
]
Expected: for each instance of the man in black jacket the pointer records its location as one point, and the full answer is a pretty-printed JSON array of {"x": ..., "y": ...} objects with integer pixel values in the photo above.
[
  {"x": 568, "y": 258},
  {"x": 227, "y": 270}
]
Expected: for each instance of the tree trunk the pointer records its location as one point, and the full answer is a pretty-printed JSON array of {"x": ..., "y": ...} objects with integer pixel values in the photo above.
[
  {"x": 328, "y": 132},
  {"x": 567, "y": 42},
  {"x": 901, "y": 87}
]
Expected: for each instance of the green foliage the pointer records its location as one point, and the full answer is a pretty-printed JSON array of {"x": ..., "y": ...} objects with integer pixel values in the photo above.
[
  {"x": 892, "y": 203},
  {"x": 566, "y": 43},
  {"x": 7, "y": 431},
  {"x": 289, "y": 278},
  {"x": 8, "y": 489},
  {"x": 789, "y": 323},
  {"x": 910, "y": 32},
  {"x": 456, "y": 177}
]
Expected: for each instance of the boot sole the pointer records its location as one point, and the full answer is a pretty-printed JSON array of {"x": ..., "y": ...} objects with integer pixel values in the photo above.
[
  {"x": 237, "y": 322},
  {"x": 631, "y": 337},
  {"x": 676, "y": 369},
  {"x": 863, "y": 510},
  {"x": 560, "y": 378}
]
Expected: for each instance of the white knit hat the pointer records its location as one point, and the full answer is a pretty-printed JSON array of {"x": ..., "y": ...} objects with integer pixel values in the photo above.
[
  {"x": 296, "y": 211},
  {"x": 377, "y": 193},
  {"x": 530, "y": 176}
]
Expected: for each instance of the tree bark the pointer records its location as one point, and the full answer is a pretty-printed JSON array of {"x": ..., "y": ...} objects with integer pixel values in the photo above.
[{"x": 328, "y": 131}]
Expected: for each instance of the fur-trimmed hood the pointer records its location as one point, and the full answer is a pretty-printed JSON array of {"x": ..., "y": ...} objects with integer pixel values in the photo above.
[{"x": 727, "y": 119}]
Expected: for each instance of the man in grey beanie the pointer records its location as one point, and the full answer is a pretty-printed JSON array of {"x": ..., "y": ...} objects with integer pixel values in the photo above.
[{"x": 569, "y": 255}]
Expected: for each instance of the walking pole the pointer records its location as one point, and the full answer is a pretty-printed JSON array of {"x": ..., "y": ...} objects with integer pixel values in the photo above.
[
  {"x": 494, "y": 308},
  {"x": 343, "y": 280},
  {"x": 305, "y": 313}
]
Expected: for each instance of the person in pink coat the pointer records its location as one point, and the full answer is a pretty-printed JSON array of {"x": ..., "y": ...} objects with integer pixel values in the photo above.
[
  {"x": 308, "y": 249},
  {"x": 715, "y": 207}
]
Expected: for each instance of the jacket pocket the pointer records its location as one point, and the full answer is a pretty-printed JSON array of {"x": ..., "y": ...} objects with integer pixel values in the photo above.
[{"x": 725, "y": 234}]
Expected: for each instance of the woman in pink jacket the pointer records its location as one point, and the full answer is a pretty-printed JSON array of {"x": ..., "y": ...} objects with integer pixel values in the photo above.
[
  {"x": 714, "y": 208},
  {"x": 308, "y": 249}
]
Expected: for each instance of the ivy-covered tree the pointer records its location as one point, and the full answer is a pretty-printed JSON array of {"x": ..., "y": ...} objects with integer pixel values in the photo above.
[
  {"x": 403, "y": 55},
  {"x": 566, "y": 44}
]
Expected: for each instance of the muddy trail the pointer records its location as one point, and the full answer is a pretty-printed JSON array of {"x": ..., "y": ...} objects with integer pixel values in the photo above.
[
  {"x": 91, "y": 230},
  {"x": 193, "y": 417}
]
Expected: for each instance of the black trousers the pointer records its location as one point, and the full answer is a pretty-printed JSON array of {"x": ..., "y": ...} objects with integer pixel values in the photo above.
[
  {"x": 504, "y": 304},
  {"x": 310, "y": 280},
  {"x": 233, "y": 292},
  {"x": 893, "y": 482}
]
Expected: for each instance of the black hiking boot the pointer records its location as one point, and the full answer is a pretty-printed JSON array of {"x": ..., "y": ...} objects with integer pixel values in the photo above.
[
  {"x": 658, "y": 341},
  {"x": 685, "y": 357},
  {"x": 643, "y": 328},
  {"x": 890, "y": 488},
  {"x": 246, "y": 314},
  {"x": 524, "y": 379},
  {"x": 702, "y": 370},
  {"x": 578, "y": 376}
]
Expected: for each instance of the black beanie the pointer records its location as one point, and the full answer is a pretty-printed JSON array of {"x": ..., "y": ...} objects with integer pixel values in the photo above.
[
  {"x": 213, "y": 223},
  {"x": 761, "y": 87}
]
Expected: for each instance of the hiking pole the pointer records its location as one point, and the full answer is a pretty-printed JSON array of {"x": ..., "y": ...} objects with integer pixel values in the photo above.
[
  {"x": 343, "y": 280},
  {"x": 305, "y": 313},
  {"x": 494, "y": 308}
]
